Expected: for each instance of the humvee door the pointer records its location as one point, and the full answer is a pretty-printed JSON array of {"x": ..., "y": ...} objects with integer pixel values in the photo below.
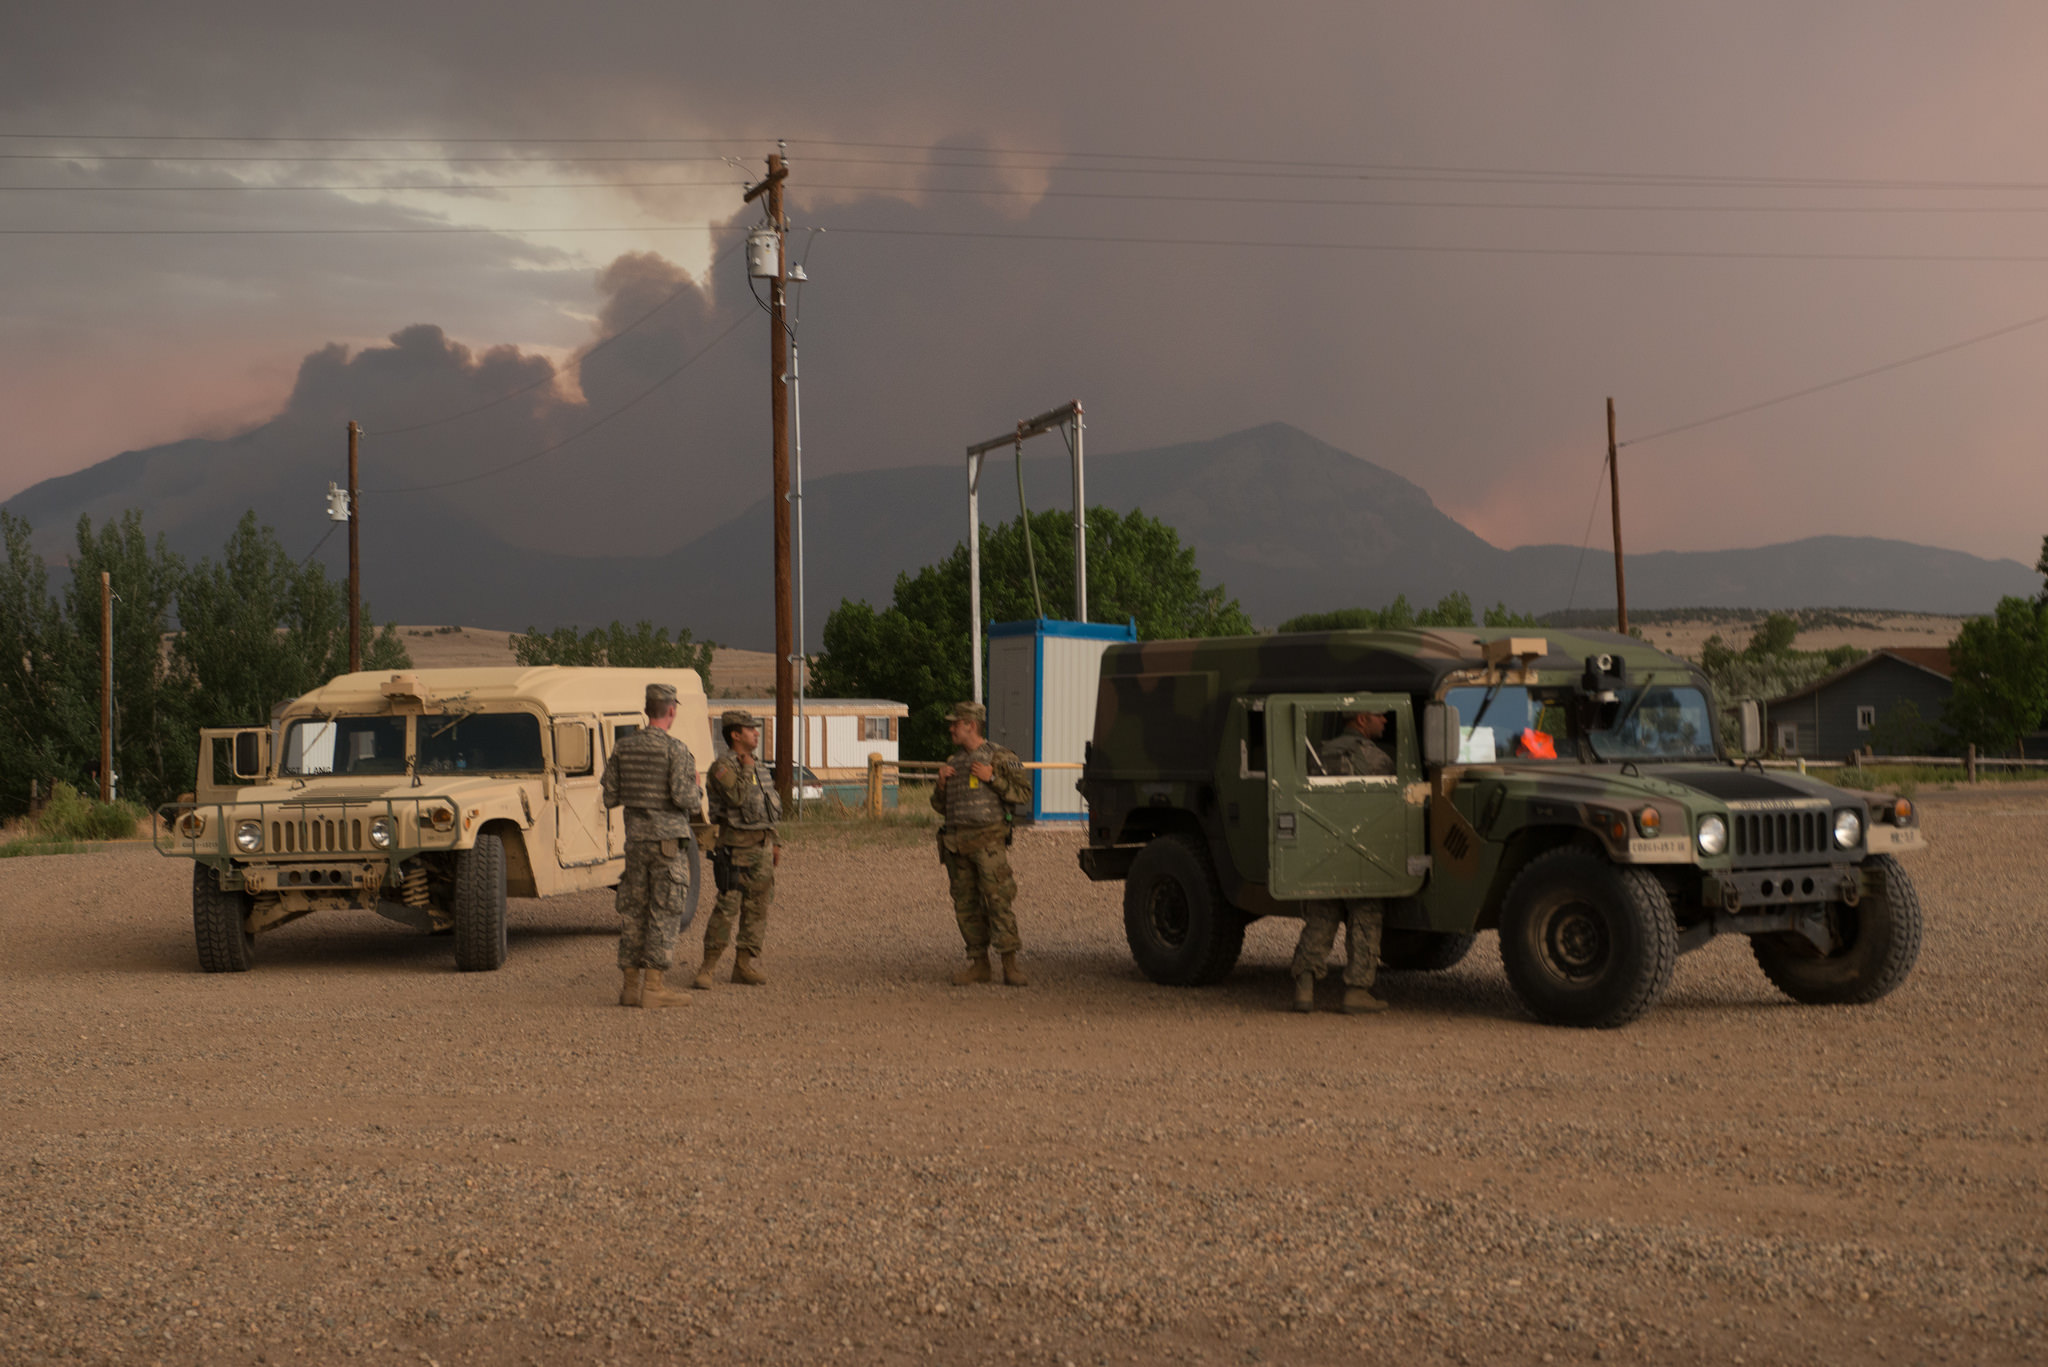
[{"x": 1337, "y": 835}]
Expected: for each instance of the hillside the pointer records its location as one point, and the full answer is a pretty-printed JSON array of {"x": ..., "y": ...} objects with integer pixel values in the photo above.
[{"x": 1289, "y": 523}]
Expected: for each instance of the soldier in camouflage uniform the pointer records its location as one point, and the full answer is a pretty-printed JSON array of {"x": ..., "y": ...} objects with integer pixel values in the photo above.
[
  {"x": 1354, "y": 751},
  {"x": 746, "y": 810},
  {"x": 975, "y": 789},
  {"x": 654, "y": 777}
]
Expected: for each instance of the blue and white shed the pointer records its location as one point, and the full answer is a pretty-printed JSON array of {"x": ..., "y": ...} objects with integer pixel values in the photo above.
[{"x": 1042, "y": 679}]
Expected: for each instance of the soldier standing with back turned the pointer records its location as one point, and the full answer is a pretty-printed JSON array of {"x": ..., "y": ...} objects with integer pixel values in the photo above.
[
  {"x": 654, "y": 777},
  {"x": 746, "y": 810},
  {"x": 1353, "y": 752},
  {"x": 975, "y": 789}
]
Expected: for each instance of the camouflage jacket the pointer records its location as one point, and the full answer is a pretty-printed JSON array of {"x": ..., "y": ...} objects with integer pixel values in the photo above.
[
  {"x": 1352, "y": 754},
  {"x": 654, "y": 777},
  {"x": 966, "y": 802},
  {"x": 745, "y": 808}
]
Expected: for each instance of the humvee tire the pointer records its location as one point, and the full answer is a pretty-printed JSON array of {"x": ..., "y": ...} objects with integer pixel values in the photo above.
[
  {"x": 1585, "y": 942},
  {"x": 1423, "y": 951},
  {"x": 220, "y": 925},
  {"x": 1877, "y": 942},
  {"x": 479, "y": 906},
  {"x": 1182, "y": 933}
]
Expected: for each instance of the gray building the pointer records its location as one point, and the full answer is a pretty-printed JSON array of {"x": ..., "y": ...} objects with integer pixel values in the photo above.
[{"x": 1834, "y": 716}]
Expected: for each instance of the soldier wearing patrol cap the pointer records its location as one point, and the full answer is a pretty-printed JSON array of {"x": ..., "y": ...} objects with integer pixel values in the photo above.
[
  {"x": 976, "y": 789},
  {"x": 746, "y": 810},
  {"x": 654, "y": 777}
]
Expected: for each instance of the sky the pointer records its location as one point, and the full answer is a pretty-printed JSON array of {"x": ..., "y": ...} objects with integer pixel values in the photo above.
[{"x": 1437, "y": 236}]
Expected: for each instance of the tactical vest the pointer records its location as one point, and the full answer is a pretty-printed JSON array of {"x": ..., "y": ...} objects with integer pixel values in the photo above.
[
  {"x": 758, "y": 807},
  {"x": 643, "y": 762},
  {"x": 969, "y": 801}
]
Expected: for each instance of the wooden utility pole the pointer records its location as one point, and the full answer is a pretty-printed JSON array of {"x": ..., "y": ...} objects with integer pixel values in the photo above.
[
  {"x": 106, "y": 686},
  {"x": 778, "y": 396},
  {"x": 355, "y": 564},
  {"x": 1614, "y": 498}
]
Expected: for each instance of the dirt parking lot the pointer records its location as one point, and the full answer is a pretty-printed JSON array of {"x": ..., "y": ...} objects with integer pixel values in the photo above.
[{"x": 354, "y": 1152}]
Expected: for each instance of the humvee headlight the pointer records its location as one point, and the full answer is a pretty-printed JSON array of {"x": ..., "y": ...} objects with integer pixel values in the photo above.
[
  {"x": 1848, "y": 829},
  {"x": 380, "y": 832},
  {"x": 1650, "y": 822},
  {"x": 1902, "y": 812},
  {"x": 1713, "y": 835},
  {"x": 249, "y": 837}
]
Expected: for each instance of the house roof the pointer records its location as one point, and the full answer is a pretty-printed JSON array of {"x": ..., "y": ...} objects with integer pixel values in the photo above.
[{"x": 1931, "y": 659}]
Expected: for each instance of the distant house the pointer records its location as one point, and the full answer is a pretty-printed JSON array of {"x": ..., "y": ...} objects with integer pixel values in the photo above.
[
  {"x": 1834, "y": 716},
  {"x": 843, "y": 733}
]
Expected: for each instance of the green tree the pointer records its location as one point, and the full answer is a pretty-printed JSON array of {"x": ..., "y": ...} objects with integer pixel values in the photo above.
[
  {"x": 2001, "y": 675},
  {"x": 1454, "y": 609},
  {"x": 257, "y": 629},
  {"x": 44, "y": 722},
  {"x": 916, "y": 650},
  {"x": 641, "y": 646},
  {"x": 1774, "y": 637},
  {"x": 155, "y": 744}
]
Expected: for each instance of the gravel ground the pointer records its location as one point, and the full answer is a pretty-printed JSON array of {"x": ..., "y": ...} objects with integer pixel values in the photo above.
[{"x": 355, "y": 1152}]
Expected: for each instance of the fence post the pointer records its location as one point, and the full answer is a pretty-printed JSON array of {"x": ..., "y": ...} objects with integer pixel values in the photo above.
[
  {"x": 1970, "y": 762},
  {"x": 874, "y": 785}
]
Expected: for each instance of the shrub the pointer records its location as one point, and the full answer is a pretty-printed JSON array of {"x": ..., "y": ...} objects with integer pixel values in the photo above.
[{"x": 71, "y": 816}]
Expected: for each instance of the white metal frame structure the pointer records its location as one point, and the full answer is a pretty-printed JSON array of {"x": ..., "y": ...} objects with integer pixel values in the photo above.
[{"x": 1066, "y": 420}]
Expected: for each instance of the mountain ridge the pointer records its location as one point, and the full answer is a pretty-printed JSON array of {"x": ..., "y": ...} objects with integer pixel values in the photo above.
[{"x": 1287, "y": 522}]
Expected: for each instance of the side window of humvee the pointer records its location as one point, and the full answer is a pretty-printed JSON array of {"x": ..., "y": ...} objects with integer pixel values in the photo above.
[{"x": 1251, "y": 759}]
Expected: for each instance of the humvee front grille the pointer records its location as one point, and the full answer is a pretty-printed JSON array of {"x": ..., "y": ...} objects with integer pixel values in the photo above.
[
  {"x": 317, "y": 835},
  {"x": 1764, "y": 834}
]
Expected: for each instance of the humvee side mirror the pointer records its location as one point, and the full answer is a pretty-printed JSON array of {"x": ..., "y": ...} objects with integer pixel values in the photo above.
[
  {"x": 1752, "y": 728},
  {"x": 249, "y": 754},
  {"x": 572, "y": 747},
  {"x": 1439, "y": 734}
]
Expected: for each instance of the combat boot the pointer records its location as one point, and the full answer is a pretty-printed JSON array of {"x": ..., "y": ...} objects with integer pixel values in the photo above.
[
  {"x": 702, "y": 982},
  {"x": 629, "y": 991},
  {"x": 1359, "y": 1001},
  {"x": 977, "y": 971},
  {"x": 1013, "y": 975},
  {"x": 743, "y": 970},
  {"x": 1304, "y": 991},
  {"x": 654, "y": 996}
]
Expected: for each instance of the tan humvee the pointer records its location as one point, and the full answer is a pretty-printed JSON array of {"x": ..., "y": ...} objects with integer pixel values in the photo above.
[{"x": 427, "y": 797}]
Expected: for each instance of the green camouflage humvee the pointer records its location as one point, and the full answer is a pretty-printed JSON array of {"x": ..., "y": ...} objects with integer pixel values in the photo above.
[{"x": 1571, "y": 792}]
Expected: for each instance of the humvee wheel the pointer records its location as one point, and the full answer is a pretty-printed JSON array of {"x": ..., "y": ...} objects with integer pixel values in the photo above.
[
  {"x": 220, "y": 925},
  {"x": 1182, "y": 932},
  {"x": 1586, "y": 943},
  {"x": 1422, "y": 951},
  {"x": 1876, "y": 944},
  {"x": 480, "y": 906}
]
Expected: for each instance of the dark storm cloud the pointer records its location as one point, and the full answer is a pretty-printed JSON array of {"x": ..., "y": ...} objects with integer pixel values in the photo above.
[{"x": 1479, "y": 376}]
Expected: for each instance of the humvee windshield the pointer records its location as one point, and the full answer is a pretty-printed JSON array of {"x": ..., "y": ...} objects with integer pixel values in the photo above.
[
  {"x": 1655, "y": 722},
  {"x": 490, "y": 742},
  {"x": 343, "y": 745}
]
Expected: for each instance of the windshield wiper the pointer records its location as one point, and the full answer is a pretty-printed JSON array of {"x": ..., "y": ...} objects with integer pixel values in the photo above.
[{"x": 1485, "y": 703}]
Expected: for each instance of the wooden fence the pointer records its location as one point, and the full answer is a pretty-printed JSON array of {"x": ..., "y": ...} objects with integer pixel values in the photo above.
[{"x": 878, "y": 771}]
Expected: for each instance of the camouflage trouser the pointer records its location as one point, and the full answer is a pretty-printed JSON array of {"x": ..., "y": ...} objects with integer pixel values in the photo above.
[
  {"x": 753, "y": 893},
  {"x": 652, "y": 894},
  {"x": 983, "y": 888},
  {"x": 1319, "y": 931}
]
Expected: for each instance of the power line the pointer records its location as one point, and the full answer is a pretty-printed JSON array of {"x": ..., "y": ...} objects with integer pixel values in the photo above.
[
  {"x": 1116, "y": 195},
  {"x": 1846, "y": 379},
  {"x": 1057, "y": 154},
  {"x": 581, "y": 432},
  {"x": 553, "y": 375},
  {"x": 1586, "y": 537},
  {"x": 1098, "y": 239}
]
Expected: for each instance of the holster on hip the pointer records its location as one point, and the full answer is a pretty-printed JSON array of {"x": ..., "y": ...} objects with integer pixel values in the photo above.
[{"x": 722, "y": 875}]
